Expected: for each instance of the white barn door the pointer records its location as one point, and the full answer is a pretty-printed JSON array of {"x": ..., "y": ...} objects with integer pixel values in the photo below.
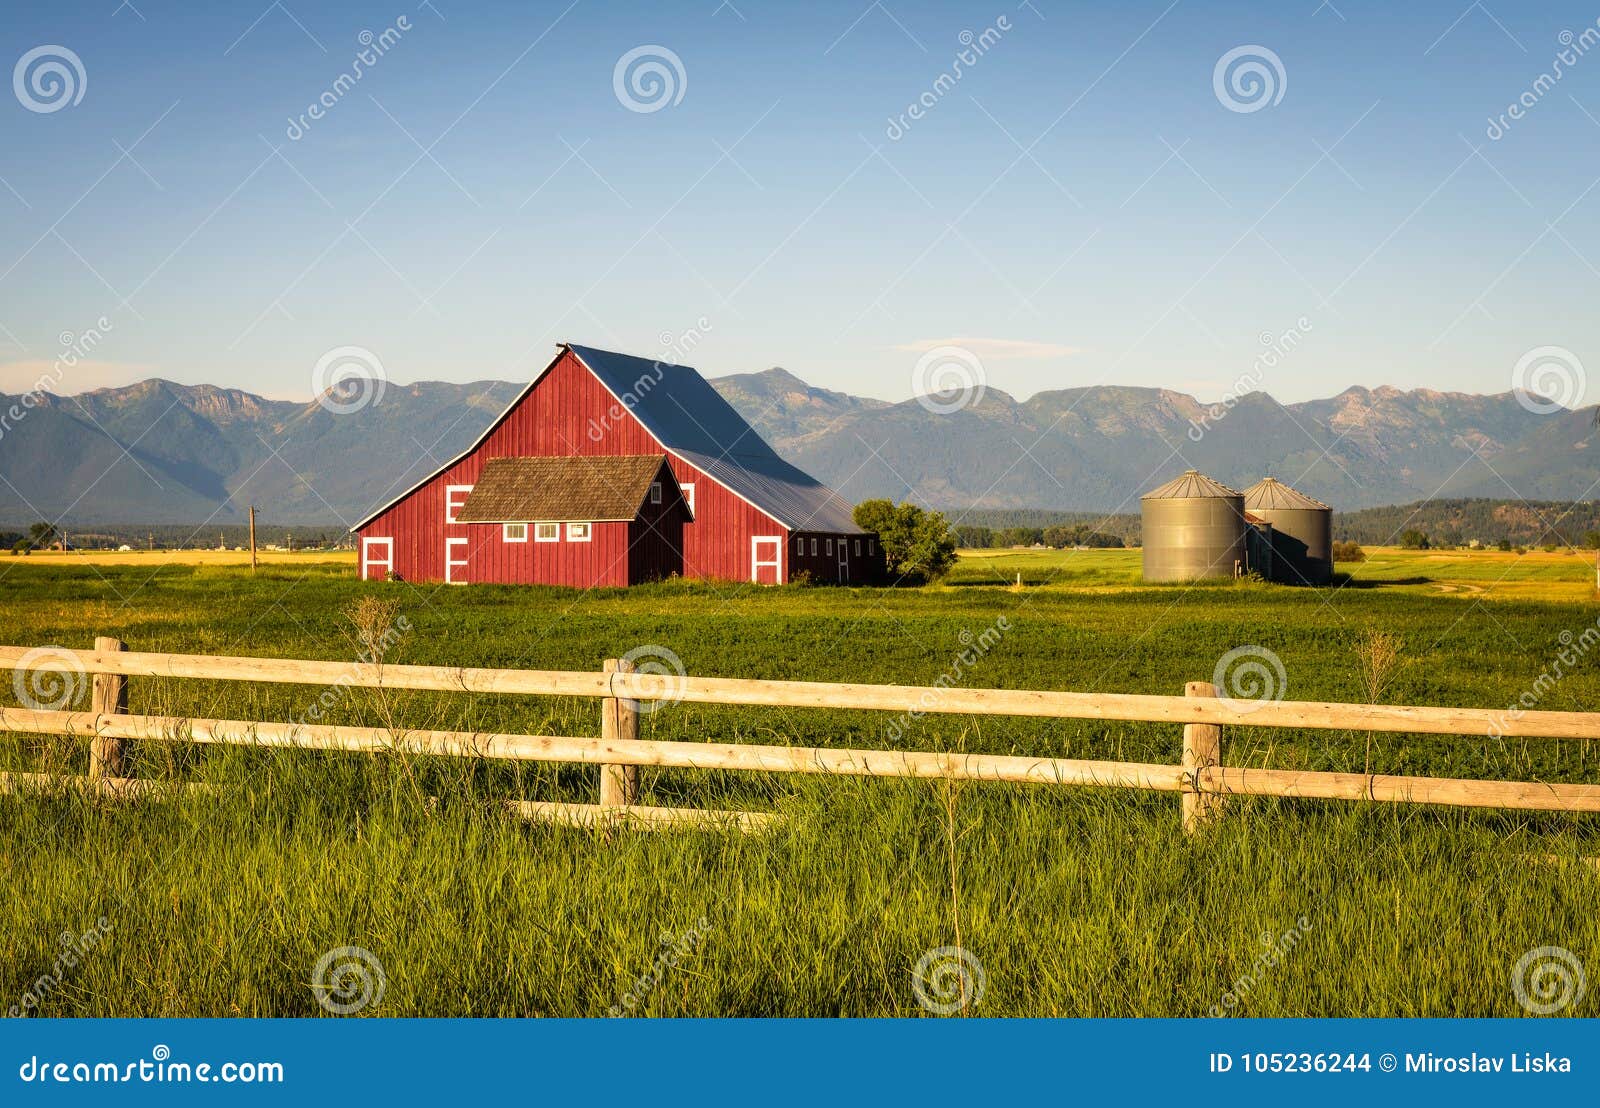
[{"x": 766, "y": 559}]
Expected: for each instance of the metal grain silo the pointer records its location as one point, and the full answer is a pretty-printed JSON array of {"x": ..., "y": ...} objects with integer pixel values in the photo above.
[
  {"x": 1193, "y": 527},
  {"x": 1302, "y": 532}
]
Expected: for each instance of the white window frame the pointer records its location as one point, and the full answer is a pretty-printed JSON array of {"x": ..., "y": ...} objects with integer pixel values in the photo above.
[
  {"x": 553, "y": 536},
  {"x": 688, "y": 495},
  {"x": 586, "y": 535},
  {"x": 872, "y": 547},
  {"x": 506, "y": 535},
  {"x": 449, "y": 562},
  {"x": 757, "y": 563},
  {"x": 827, "y": 547},
  {"x": 858, "y": 548},
  {"x": 451, "y": 505},
  {"x": 800, "y": 546},
  {"x": 655, "y": 492},
  {"x": 368, "y": 562},
  {"x": 813, "y": 548}
]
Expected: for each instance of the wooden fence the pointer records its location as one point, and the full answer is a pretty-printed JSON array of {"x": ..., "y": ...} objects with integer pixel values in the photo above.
[{"x": 1201, "y": 777}]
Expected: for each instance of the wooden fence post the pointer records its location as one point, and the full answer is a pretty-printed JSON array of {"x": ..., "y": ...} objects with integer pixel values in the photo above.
[
  {"x": 619, "y": 722},
  {"x": 1202, "y": 748},
  {"x": 110, "y": 698}
]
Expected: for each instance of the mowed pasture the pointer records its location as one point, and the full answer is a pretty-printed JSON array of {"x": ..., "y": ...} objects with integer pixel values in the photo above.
[{"x": 1074, "y": 901}]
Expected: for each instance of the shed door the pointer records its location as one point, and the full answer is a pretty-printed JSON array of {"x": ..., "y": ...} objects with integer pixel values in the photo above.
[
  {"x": 766, "y": 559},
  {"x": 843, "y": 546}
]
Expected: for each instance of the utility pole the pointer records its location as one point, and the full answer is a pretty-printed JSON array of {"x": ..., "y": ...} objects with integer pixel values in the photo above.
[{"x": 252, "y": 538}]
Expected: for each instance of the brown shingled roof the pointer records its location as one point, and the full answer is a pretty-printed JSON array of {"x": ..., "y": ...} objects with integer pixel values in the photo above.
[{"x": 558, "y": 490}]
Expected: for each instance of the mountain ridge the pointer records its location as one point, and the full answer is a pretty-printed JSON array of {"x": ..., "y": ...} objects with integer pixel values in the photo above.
[{"x": 162, "y": 452}]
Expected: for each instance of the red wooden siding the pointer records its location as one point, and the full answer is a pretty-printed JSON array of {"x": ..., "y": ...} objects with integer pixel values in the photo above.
[{"x": 569, "y": 412}]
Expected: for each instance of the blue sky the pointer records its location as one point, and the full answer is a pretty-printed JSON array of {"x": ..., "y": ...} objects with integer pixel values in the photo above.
[{"x": 1079, "y": 208}]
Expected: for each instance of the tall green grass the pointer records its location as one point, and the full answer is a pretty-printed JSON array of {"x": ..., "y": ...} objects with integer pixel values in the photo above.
[{"x": 1074, "y": 902}]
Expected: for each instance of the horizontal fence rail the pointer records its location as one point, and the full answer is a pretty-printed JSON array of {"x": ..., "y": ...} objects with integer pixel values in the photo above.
[
  {"x": 1125, "y": 707},
  {"x": 1201, "y": 777},
  {"x": 1310, "y": 784}
]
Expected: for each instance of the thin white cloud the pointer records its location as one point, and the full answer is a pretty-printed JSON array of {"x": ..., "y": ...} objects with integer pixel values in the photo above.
[{"x": 996, "y": 349}]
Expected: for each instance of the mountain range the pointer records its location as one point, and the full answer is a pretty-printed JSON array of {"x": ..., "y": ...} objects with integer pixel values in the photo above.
[{"x": 159, "y": 452}]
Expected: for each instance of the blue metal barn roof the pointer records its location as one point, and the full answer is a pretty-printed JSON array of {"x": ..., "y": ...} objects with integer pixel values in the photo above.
[{"x": 692, "y": 420}]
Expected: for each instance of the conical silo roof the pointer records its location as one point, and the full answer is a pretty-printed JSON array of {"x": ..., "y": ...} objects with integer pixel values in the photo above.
[
  {"x": 1271, "y": 495},
  {"x": 1191, "y": 485}
]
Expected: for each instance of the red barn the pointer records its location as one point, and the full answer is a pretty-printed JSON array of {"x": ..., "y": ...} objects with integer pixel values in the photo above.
[{"x": 610, "y": 470}]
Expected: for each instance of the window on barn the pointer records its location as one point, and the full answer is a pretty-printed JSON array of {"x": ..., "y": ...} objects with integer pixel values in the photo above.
[
  {"x": 577, "y": 532},
  {"x": 688, "y": 495},
  {"x": 799, "y": 548},
  {"x": 813, "y": 547},
  {"x": 547, "y": 532},
  {"x": 829, "y": 547},
  {"x": 872, "y": 547},
  {"x": 655, "y": 492},
  {"x": 514, "y": 532},
  {"x": 858, "y": 548}
]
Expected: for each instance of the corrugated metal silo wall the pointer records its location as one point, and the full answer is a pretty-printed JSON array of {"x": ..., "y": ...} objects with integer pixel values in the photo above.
[
  {"x": 1302, "y": 545},
  {"x": 1193, "y": 537}
]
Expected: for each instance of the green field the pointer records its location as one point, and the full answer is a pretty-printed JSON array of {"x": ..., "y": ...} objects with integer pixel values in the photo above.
[{"x": 1075, "y": 902}]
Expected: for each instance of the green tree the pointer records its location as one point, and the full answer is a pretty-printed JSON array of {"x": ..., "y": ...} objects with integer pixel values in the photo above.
[
  {"x": 1412, "y": 539},
  {"x": 918, "y": 546},
  {"x": 41, "y": 534},
  {"x": 974, "y": 538}
]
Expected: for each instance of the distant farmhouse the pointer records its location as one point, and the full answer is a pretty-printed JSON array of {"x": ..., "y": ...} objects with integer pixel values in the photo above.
[{"x": 612, "y": 470}]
